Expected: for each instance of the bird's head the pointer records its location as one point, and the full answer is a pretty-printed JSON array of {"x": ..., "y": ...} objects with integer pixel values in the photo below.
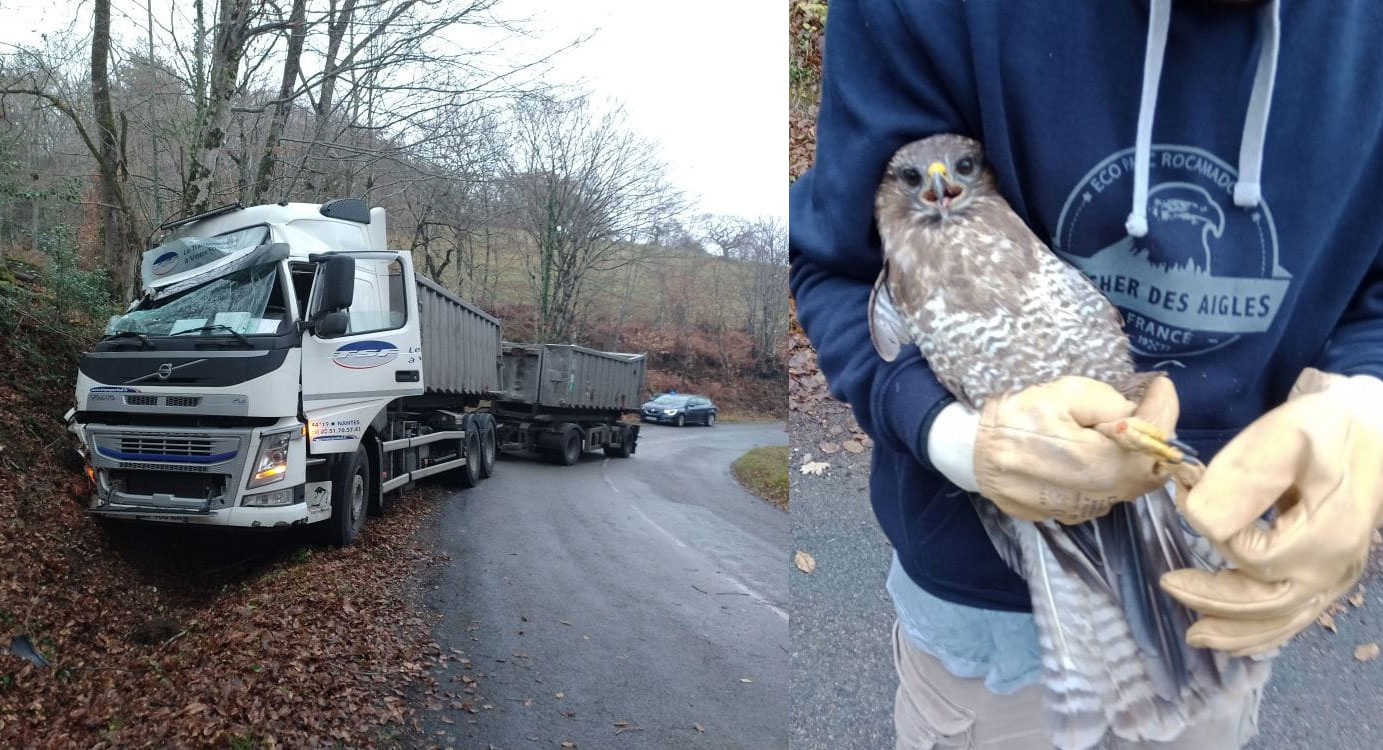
[{"x": 935, "y": 178}]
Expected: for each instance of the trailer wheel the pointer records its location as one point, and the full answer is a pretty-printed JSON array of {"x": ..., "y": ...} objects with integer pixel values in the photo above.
[
  {"x": 350, "y": 494},
  {"x": 489, "y": 446},
  {"x": 563, "y": 445},
  {"x": 622, "y": 450},
  {"x": 468, "y": 474}
]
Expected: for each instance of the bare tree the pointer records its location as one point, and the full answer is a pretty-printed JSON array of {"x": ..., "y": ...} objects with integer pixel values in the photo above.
[
  {"x": 762, "y": 247},
  {"x": 584, "y": 187}
]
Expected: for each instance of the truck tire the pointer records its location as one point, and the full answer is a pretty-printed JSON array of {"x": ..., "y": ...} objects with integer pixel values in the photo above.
[
  {"x": 350, "y": 496},
  {"x": 467, "y": 475},
  {"x": 489, "y": 446},
  {"x": 563, "y": 445}
]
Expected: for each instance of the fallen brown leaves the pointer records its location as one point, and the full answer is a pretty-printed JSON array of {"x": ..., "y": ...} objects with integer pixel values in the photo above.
[{"x": 182, "y": 637}]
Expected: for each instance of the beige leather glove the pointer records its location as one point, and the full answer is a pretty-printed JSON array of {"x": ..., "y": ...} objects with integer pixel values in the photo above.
[
  {"x": 1319, "y": 459},
  {"x": 1038, "y": 457}
]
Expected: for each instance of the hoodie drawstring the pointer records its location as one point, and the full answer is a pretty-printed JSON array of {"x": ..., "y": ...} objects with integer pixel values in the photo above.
[{"x": 1248, "y": 190}]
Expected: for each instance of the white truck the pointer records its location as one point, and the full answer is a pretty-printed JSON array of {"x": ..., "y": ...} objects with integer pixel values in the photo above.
[{"x": 283, "y": 367}]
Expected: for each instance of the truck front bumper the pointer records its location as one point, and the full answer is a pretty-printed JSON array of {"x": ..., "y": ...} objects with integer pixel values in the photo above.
[{"x": 180, "y": 475}]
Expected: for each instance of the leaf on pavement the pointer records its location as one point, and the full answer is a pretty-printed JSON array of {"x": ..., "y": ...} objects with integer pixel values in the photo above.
[
  {"x": 828, "y": 448},
  {"x": 814, "y": 468},
  {"x": 854, "y": 446},
  {"x": 1366, "y": 651},
  {"x": 1357, "y": 598},
  {"x": 805, "y": 562},
  {"x": 698, "y": 727}
]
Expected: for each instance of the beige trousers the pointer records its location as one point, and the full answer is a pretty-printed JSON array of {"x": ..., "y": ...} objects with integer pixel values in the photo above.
[{"x": 936, "y": 709}]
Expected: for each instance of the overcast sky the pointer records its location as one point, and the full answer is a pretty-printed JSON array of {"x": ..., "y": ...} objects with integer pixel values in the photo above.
[{"x": 706, "y": 79}]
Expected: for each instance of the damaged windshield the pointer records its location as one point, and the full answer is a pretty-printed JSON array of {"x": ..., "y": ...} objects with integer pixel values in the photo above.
[{"x": 248, "y": 302}]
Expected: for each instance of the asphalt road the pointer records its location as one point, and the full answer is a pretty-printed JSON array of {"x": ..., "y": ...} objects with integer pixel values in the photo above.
[
  {"x": 1320, "y": 697},
  {"x": 618, "y": 603}
]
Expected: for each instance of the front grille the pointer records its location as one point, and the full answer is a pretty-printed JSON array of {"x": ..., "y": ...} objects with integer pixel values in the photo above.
[
  {"x": 166, "y": 446},
  {"x": 164, "y": 467},
  {"x": 141, "y": 400},
  {"x": 183, "y": 401},
  {"x": 178, "y": 484}
]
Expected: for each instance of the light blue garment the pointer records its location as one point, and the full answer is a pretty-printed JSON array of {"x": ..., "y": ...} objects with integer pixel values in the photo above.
[{"x": 1000, "y": 647}]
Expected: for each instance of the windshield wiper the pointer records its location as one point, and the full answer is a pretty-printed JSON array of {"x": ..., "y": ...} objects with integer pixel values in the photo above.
[
  {"x": 143, "y": 339},
  {"x": 219, "y": 327}
]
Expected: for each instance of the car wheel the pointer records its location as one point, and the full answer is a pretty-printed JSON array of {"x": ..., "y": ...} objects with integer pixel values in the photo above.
[
  {"x": 681, "y": 420},
  {"x": 711, "y": 420}
]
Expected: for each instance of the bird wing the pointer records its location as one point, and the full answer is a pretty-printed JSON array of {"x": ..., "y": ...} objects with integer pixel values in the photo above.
[{"x": 886, "y": 328}]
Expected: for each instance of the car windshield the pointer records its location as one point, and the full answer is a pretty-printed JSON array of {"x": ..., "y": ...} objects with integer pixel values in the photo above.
[
  {"x": 666, "y": 400},
  {"x": 239, "y": 302}
]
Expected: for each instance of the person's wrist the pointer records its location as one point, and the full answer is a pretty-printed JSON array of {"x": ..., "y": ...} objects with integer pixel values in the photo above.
[{"x": 950, "y": 444}]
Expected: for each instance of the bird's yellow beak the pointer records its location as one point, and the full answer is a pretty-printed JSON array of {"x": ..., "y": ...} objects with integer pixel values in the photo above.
[{"x": 937, "y": 172}]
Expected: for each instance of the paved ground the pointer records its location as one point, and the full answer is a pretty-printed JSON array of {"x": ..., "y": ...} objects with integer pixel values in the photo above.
[
  {"x": 842, "y": 674},
  {"x": 635, "y": 603}
]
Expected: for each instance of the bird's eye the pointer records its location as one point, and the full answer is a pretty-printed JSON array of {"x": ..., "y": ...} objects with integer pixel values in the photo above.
[
  {"x": 911, "y": 176},
  {"x": 965, "y": 166}
]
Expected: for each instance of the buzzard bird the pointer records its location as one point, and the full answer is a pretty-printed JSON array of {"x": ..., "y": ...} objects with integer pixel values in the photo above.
[{"x": 994, "y": 311}]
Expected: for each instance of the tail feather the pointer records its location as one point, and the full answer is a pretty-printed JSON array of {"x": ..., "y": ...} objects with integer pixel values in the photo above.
[{"x": 1113, "y": 646}]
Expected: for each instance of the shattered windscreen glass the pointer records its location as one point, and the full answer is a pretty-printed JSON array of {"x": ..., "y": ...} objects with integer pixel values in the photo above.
[
  {"x": 238, "y": 301},
  {"x": 186, "y": 253}
]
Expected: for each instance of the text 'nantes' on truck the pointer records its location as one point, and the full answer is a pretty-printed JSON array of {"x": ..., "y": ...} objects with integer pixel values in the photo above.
[
  {"x": 273, "y": 373},
  {"x": 561, "y": 400}
]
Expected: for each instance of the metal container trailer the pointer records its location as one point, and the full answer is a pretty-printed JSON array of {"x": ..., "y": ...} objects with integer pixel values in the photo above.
[
  {"x": 568, "y": 377},
  {"x": 561, "y": 400},
  {"x": 461, "y": 343}
]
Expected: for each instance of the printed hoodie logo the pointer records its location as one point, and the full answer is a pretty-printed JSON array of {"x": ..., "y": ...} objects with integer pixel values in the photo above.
[
  {"x": 1207, "y": 272},
  {"x": 362, "y": 355}
]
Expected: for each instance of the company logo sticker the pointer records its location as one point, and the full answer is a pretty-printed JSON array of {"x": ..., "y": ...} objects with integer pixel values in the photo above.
[
  {"x": 166, "y": 263},
  {"x": 362, "y": 355}
]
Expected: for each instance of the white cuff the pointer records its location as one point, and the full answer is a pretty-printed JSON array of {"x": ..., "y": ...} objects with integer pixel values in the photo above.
[
  {"x": 951, "y": 444},
  {"x": 1363, "y": 393}
]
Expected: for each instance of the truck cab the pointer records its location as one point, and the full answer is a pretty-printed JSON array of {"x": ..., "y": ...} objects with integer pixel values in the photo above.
[{"x": 264, "y": 376}]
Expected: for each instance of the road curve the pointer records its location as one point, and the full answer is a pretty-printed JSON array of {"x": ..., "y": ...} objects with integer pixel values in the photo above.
[{"x": 648, "y": 592}]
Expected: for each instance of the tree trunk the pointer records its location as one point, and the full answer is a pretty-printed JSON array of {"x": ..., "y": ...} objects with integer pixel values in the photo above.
[
  {"x": 227, "y": 51},
  {"x": 118, "y": 233},
  {"x": 297, "y": 22}
]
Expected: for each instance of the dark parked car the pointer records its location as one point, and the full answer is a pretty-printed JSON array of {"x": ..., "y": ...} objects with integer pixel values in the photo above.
[{"x": 679, "y": 409}]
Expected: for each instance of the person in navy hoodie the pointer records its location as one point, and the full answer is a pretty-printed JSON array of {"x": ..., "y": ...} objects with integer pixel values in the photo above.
[{"x": 1240, "y": 240}]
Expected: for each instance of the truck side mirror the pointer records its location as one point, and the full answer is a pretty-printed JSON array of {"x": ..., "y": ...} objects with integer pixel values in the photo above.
[
  {"x": 332, "y": 324},
  {"x": 338, "y": 284}
]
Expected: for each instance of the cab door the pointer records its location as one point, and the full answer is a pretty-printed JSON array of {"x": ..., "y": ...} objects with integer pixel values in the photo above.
[{"x": 348, "y": 379}]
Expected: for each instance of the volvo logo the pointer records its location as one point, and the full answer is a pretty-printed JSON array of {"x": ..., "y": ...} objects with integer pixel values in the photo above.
[{"x": 164, "y": 371}]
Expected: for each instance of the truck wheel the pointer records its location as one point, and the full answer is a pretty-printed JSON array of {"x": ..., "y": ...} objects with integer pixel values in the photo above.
[
  {"x": 681, "y": 420},
  {"x": 350, "y": 494},
  {"x": 489, "y": 446},
  {"x": 467, "y": 475}
]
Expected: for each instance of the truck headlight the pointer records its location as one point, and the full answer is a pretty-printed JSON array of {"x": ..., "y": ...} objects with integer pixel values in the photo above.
[{"x": 271, "y": 465}]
